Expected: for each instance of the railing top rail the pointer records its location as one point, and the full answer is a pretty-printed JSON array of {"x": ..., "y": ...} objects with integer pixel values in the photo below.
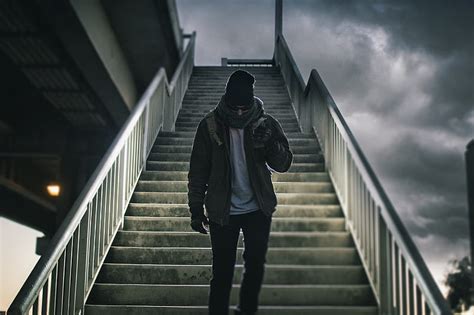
[
  {"x": 388, "y": 212},
  {"x": 39, "y": 275}
]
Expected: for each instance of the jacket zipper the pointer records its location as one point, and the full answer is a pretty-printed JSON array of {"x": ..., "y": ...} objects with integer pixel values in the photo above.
[
  {"x": 226, "y": 142},
  {"x": 251, "y": 154}
]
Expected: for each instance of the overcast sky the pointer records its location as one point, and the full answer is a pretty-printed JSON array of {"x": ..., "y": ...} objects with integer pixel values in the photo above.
[{"x": 401, "y": 73}]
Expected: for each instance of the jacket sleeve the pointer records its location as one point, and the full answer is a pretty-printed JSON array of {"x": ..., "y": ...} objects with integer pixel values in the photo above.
[
  {"x": 278, "y": 154},
  {"x": 199, "y": 167}
]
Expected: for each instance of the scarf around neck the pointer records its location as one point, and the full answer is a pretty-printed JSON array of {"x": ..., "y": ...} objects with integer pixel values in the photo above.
[{"x": 235, "y": 120}]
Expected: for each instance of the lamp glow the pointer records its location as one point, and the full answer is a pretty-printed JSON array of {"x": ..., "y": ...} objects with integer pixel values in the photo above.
[{"x": 53, "y": 190}]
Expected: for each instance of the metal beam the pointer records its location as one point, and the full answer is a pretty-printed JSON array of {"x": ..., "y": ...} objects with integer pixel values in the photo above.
[
  {"x": 278, "y": 18},
  {"x": 469, "y": 155}
]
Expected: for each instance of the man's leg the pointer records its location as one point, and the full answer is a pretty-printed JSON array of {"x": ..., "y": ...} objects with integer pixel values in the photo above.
[
  {"x": 224, "y": 246},
  {"x": 256, "y": 229}
]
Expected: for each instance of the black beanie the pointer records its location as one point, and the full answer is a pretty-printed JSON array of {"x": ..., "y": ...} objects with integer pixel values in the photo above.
[{"x": 239, "y": 89}]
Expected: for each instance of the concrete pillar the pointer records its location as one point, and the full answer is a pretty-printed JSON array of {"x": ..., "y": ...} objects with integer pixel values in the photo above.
[
  {"x": 470, "y": 199},
  {"x": 278, "y": 18}
]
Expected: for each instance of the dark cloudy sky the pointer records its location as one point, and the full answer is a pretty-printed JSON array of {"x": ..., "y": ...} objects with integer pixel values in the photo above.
[{"x": 402, "y": 74}]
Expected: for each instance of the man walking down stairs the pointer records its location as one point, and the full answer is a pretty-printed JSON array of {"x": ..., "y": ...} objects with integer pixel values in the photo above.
[
  {"x": 158, "y": 265},
  {"x": 239, "y": 189}
]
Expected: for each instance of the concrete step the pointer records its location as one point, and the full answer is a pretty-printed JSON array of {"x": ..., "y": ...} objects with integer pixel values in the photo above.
[
  {"x": 182, "y": 210},
  {"x": 194, "y": 239},
  {"x": 297, "y": 158},
  {"x": 278, "y": 224},
  {"x": 285, "y": 125},
  {"x": 197, "y": 255},
  {"x": 170, "y": 148},
  {"x": 285, "y": 129},
  {"x": 276, "y": 177},
  {"x": 191, "y": 134},
  {"x": 287, "y": 111},
  {"x": 270, "y": 294},
  {"x": 189, "y": 141},
  {"x": 277, "y": 83},
  {"x": 267, "y": 99},
  {"x": 184, "y": 166},
  {"x": 199, "y": 116},
  {"x": 201, "y": 274},
  {"x": 263, "y": 93},
  {"x": 210, "y": 103},
  {"x": 282, "y": 198},
  {"x": 203, "y": 310},
  {"x": 279, "y": 187},
  {"x": 196, "y": 120}
]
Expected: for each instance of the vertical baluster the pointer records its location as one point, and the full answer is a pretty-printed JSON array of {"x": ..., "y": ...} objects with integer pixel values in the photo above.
[
  {"x": 419, "y": 300},
  {"x": 397, "y": 287},
  {"x": 364, "y": 221},
  {"x": 106, "y": 206},
  {"x": 113, "y": 194},
  {"x": 128, "y": 168},
  {"x": 358, "y": 206},
  {"x": 53, "y": 291},
  {"x": 35, "y": 306},
  {"x": 385, "y": 266},
  {"x": 83, "y": 260},
  {"x": 98, "y": 232},
  {"x": 124, "y": 180},
  {"x": 45, "y": 296},
  {"x": 427, "y": 308},
  {"x": 145, "y": 134},
  {"x": 403, "y": 273},
  {"x": 74, "y": 271},
  {"x": 67, "y": 276},
  {"x": 92, "y": 239},
  {"x": 374, "y": 238},
  {"x": 346, "y": 175},
  {"x": 60, "y": 287},
  {"x": 349, "y": 187},
  {"x": 103, "y": 221},
  {"x": 137, "y": 149},
  {"x": 411, "y": 294}
]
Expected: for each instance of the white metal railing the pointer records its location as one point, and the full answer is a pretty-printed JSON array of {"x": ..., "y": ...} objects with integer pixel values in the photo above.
[
  {"x": 63, "y": 277},
  {"x": 400, "y": 280}
]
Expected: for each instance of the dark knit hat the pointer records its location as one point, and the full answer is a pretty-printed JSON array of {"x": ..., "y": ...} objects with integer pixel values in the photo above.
[{"x": 239, "y": 89}]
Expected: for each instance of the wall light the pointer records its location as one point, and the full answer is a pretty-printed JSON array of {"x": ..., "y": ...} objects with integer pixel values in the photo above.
[{"x": 53, "y": 189}]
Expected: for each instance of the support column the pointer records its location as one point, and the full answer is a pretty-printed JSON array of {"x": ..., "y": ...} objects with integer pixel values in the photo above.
[
  {"x": 278, "y": 18},
  {"x": 469, "y": 155}
]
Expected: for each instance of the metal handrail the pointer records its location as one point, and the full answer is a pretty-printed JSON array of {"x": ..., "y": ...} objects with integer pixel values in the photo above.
[
  {"x": 399, "y": 278},
  {"x": 63, "y": 277}
]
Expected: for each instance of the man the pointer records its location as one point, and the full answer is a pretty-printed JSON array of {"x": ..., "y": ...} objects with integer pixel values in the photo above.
[{"x": 234, "y": 146}]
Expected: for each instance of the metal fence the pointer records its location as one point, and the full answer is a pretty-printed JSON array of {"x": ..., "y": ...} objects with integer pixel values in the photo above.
[
  {"x": 63, "y": 278},
  {"x": 400, "y": 280}
]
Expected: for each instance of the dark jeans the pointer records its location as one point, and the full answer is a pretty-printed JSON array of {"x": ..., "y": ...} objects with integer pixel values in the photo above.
[{"x": 256, "y": 229}]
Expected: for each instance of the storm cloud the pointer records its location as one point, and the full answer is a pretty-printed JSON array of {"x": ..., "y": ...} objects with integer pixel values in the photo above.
[{"x": 402, "y": 74}]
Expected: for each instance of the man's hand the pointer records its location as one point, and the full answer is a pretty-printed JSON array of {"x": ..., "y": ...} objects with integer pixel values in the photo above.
[
  {"x": 262, "y": 134},
  {"x": 199, "y": 222}
]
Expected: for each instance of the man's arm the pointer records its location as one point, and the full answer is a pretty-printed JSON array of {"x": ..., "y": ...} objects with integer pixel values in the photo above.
[
  {"x": 277, "y": 152},
  {"x": 199, "y": 170}
]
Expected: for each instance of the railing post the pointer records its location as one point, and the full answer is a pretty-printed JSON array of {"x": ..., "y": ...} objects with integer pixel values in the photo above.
[
  {"x": 469, "y": 155},
  {"x": 384, "y": 268}
]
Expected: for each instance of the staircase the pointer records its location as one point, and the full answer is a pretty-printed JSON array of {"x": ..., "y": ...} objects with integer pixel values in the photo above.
[{"x": 158, "y": 265}]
